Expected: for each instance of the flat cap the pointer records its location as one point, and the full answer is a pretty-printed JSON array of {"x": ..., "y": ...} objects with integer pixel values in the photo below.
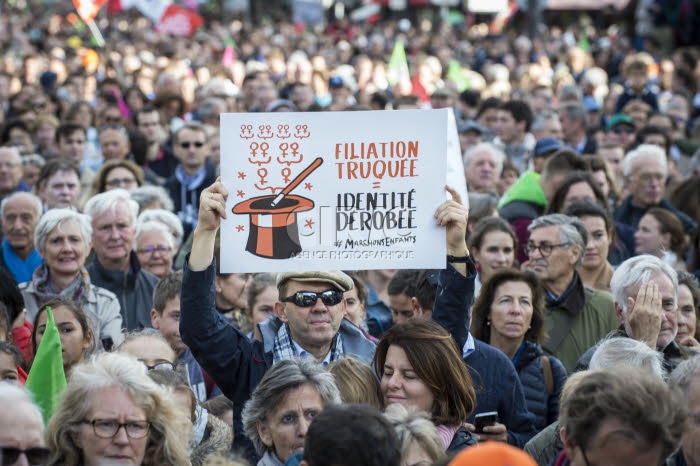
[{"x": 338, "y": 279}]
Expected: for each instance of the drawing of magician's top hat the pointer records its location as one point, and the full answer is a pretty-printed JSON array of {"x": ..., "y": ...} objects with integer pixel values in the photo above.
[{"x": 273, "y": 231}]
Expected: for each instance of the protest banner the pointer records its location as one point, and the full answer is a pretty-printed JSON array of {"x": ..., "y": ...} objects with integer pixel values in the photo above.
[{"x": 345, "y": 190}]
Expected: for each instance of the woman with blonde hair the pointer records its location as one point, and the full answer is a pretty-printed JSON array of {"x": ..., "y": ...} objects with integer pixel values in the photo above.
[
  {"x": 111, "y": 411},
  {"x": 356, "y": 382}
]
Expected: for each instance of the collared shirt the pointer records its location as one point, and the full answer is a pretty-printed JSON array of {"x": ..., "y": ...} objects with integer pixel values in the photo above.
[
  {"x": 469, "y": 346},
  {"x": 302, "y": 353}
]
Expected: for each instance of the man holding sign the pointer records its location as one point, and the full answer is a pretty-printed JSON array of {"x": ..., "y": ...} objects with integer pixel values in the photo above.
[{"x": 308, "y": 319}]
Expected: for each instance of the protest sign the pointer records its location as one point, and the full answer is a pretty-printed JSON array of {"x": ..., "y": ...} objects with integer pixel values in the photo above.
[{"x": 345, "y": 190}]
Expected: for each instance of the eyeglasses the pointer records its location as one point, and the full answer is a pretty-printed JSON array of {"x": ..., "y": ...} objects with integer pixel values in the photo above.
[
  {"x": 309, "y": 298},
  {"x": 154, "y": 249},
  {"x": 161, "y": 366},
  {"x": 108, "y": 428},
  {"x": 623, "y": 129},
  {"x": 113, "y": 183},
  {"x": 35, "y": 455},
  {"x": 187, "y": 144},
  {"x": 585, "y": 458},
  {"x": 544, "y": 248}
]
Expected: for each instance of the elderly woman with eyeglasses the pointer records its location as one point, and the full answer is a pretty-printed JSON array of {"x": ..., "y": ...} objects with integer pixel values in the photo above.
[
  {"x": 111, "y": 412},
  {"x": 62, "y": 238},
  {"x": 155, "y": 248}
]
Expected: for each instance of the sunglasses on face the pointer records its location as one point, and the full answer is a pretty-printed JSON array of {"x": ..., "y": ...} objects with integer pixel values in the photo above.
[
  {"x": 309, "y": 298},
  {"x": 186, "y": 145},
  {"x": 623, "y": 129},
  {"x": 35, "y": 456}
]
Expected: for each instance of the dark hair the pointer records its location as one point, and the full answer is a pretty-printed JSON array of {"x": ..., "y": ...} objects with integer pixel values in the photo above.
[
  {"x": 218, "y": 405},
  {"x": 671, "y": 224},
  {"x": 470, "y": 97},
  {"x": 426, "y": 288},
  {"x": 641, "y": 403},
  {"x": 145, "y": 109},
  {"x": 685, "y": 196},
  {"x": 10, "y": 295},
  {"x": 649, "y": 130},
  {"x": 12, "y": 124},
  {"x": 563, "y": 161},
  {"x": 488, "y": 104},
  {"x": 66, "y": 130},
  {"x": 482, "y": 307},
  {"x": 54, "y": 166},
  {"x": 487, "y": 225},
  {"x": 73, "y": 307},
  {"x": 15, "y": 353},
  {"x": 100, "y": 183},
  {"x": 689, "y": 280},
  {"x": 167, "y": 288},
  {"x": 694, "y": 260},
  {"x": 349, "y": 435},
  {"x": 75, "y": 108},
  {"x": 520, "y": 110},
  {"x": 257, "y": 285},
  {"x": 5, "y": 322},
  {"x": 437, "y": 362},
  {"x": 178, "y": 382},
  {"x": 403, "y": 282},
  {"x": 557, "y": 204},
  {"x": 588, "y": 208},
  {"x": 362, "y": 291}
]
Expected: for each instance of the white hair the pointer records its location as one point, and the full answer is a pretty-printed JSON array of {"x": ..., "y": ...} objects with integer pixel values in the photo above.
[
  {"x": 167, "y": 218},
  {"x": 153, "y": 225},
  {"x": 108, "y": 201},
  {"x": 644, "y": 151},
  {"x": 14, "y": 151},
  {"x": 148, "y": 194},
  {"x": 38, "y": 207},
  {"x": 497, "y": 153},
  {"x": 635, "y": 271},
  {"x": 628, "y": 352},
  {"x": 57, "y": 217},
  {"x": 13, "y": 394}
]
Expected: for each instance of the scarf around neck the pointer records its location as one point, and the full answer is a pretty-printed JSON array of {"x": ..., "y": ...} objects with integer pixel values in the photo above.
[
  {"x": 283, "y": 347},
  {"x": 21, "y": 269},
  {"x": 77, "y": 291}
]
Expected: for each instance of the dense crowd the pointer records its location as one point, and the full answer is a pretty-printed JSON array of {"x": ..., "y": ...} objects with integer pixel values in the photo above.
[{"x": 563, "y": 329}]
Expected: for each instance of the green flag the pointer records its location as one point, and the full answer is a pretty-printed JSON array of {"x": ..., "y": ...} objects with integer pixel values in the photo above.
[
  {"x": 458, "y": 76},
  {"x": 398, "y": 66},
  {"x": 46, "y": 378}
]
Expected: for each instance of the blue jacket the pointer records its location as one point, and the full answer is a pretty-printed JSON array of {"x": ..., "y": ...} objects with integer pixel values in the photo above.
[
  {"x": 496, "y": 383},
  {"x": 234, "y": 362},
  {"x": 531, "y": 373}
]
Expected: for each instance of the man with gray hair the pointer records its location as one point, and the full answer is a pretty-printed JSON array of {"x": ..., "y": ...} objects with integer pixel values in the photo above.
[
  {"x": 21, "y": 428},
  {"x": 482, "y": 167},
  {"x": 686, "y": 378},
  {"x": 577, "y": 316},
  {"x": 20, "y": 215},
  {"x": 645, "y": 291},
  {"x": 116, "y": 266},
  {"x": 11, "y": 172},
  {"x": 645, "y": 170}
]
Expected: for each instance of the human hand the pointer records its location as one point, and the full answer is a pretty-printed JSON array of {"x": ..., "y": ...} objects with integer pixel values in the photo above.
[
  {"x": 212, "y": 206},
  {"x": 644, "y": 314},
  {"x": 690, "y": 342},
  {"x": 454, "y": 216},
  {"x": 496, "y": 432}
]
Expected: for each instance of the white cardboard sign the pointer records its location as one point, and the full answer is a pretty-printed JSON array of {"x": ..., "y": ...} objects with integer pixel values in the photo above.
[{"x": 335, "y": 190}]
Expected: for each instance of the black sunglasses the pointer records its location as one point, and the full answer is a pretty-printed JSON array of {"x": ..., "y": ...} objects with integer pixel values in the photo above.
[
  {"x": 186, "y": 145},
  {"x": 309, "y": 298},
  {"x": 35, "y": 455}
]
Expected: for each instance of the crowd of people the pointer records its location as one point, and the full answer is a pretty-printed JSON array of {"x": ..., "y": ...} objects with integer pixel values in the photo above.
[{"x": 563, "y": 329}]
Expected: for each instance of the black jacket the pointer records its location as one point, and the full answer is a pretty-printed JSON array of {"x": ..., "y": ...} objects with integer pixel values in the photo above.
[
  {"x": 628, "y": 212},
  {"x": 531, "y": 372},
  {"x": 134, "y": 290},
  {"x": 462, "y": 439}
]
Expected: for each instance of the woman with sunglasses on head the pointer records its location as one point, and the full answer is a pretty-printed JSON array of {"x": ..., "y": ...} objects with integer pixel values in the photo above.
[
  {"x": 509, "y": 315},
  {"x": 111, "y": 412}
]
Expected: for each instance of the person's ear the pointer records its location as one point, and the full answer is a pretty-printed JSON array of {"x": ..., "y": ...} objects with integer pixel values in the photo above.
[
  {"x": 619, "y": 313},
  {"x": 281, "y": 311},
  {"x": 666, "y": 241},
  {"x": 155, "y": 319},
  {"x": 87, "y": 342},
  {"x": 569, "y": 444},
  {"x": 264, "y": 434},
  {"x": 417, "y": 310}
]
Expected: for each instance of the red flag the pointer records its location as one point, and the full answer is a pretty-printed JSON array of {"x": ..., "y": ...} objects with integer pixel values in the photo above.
[
  {"x": 88, "y": 9},
  {"x": 179, "y": 21}
]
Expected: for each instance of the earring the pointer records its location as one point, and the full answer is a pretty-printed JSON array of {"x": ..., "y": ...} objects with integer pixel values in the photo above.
[
  {"x": 488, "y": 322},
  {"x": 218, "y": 290}
]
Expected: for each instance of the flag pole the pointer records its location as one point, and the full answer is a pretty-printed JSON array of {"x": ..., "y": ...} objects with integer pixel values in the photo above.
[{"x": 96, "y": 33}]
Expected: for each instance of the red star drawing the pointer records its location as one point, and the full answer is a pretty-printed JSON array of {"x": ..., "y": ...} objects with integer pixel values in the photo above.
[
  {"x": 309, "y": 223},
  {"x": 240, "y": 193},
  {"x": 308, "y": 186},
  {"x": 241, "y": 175},
  {"x": 240, "y": 228}
]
